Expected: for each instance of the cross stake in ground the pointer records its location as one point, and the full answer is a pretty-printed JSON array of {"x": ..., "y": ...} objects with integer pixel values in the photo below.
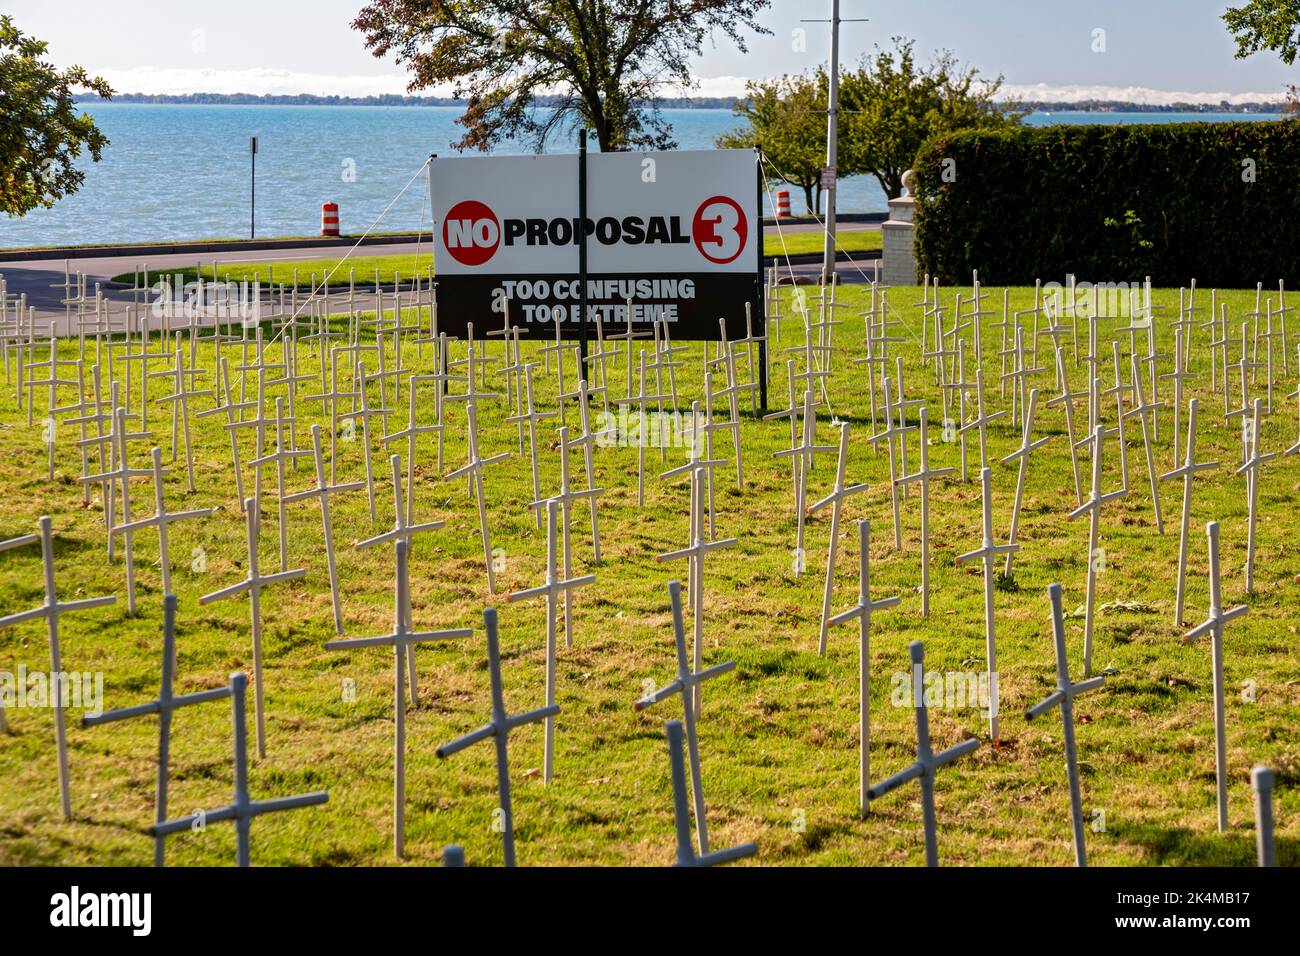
[
  {"x": 1261, "y": 781},
  {"x": 162, "y": 520},
  {"x": 988, "y": 552},
  {"x": 1213, "y": 626},
  {"x": 552, "y": 590},
  {"x": 252, "y": 585},
  {"x": 836, "y": 500},
  {"x": 1063, "y": 697},
  {"x": 51, "y": 611},
  {"x": 927, "y": 762},
  {"x": 322, "y": 491},
  {"x": 1093, "y": 507},
  {"x": 683, "y": 685},
  {"x": 402, "y": 640},
  {"x": 499, "y": 729},
  {"x": 682, "y": 815},
  {"x": 925, "y": 475},
  {"x": 164, "y": 706},
  {"x": 862, "y": 611},
  {"x": 1251, "y": 470},
  {"x": 1190, "y": 467},
  {"x": 243, "y": 809}
]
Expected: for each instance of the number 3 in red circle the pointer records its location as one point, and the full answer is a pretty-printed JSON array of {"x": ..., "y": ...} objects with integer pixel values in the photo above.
[{"x": 720, "y": 229}]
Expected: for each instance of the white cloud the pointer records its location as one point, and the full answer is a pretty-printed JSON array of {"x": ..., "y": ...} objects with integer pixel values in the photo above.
[
  {"x": 1132, "y": 94},
  {"x": 160, "y": 80},
  {"x": 175, "y": 81}
]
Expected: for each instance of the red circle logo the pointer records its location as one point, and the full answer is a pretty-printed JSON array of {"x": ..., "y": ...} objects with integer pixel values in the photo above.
[
  {"x": 720, "y": 229},
  {"x": 471, "y": 233}
]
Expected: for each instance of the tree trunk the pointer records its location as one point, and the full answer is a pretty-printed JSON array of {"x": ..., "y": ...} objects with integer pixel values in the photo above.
[{"x": 808, "y": 197}]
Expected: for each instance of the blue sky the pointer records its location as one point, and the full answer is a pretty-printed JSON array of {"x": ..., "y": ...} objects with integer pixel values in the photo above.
[{"x": 1154, "y": 49}]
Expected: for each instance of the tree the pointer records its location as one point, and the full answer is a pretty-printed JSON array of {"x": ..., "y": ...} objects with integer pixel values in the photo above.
[
  {"x": 606, "y": 59},
  {"x": 787, "y": 119},
  {"x": 1266, "y": 25},
  {"x": 890, "y": 106},
  {"x": 41, "y": 133}
]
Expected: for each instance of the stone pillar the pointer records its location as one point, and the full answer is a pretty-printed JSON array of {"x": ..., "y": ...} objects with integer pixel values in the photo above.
[{"x": 898, "y": 231}]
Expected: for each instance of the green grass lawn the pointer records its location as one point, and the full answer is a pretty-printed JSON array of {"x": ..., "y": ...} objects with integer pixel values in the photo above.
[
  {"x": 778, "y": 736},
  {"x": 406, "y": 266}
]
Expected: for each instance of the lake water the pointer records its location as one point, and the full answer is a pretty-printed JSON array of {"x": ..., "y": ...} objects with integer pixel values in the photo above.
[{"x": 177, "y": 172}]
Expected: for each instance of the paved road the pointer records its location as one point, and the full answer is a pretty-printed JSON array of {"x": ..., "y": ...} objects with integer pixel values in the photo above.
[{"x": 42, "y": 280}]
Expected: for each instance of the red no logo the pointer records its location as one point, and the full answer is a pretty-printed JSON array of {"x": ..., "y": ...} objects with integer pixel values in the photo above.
[{"x": 471, "y": 233}]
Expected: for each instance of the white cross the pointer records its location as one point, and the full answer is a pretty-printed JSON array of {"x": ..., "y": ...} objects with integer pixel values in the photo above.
[
  {"x": 927, "y": 762},
  {"x": 694, "y": 554},
  {"x": 988, "y": 552},
  {"x": 640, "y": 400},
  {"x": 253, "y": 585},
  {"x": 1213, "y": 625},
  {"x": 402, "y": 640},
  {"x": 1093, "y": 508},
  {"x": 166, "y": 703},
  {"x": 121, "y": 471},
  {"x": 532, "y": 416},
  {"x": 365, "y": 413},
  {"x": 1027, "y": 447},
  {"x": 1251, "y": 470},
  {"x": 1066, "y": 399},
  {"x": 836, "y": 500},
  {"x": 474, "y": 468},
  {"x": 805, "y": 456},
  {"x": 862, "y": 611},
  {"x": 180, "y": 399},
  {"x": 231, "y": 410},
  {"x": 552, "y": 590},
  {"x": 243, "y": 809},
  {"x": 1063, "y": 697},
  {"x": 322, "y": 492},
  {"x": 51, "y": 611},
  {"x": 586, "y": 440},
  {"x": 1190, "y": 467},
  {"x": 1140, "y": 408},
  {"x": 685, "y": 685},
  {"x": 162, "y": 520},
  {"x": 499, "y": 729},
  {"x": 686, "y": 855},
  {"x": 924, "y": 476}
]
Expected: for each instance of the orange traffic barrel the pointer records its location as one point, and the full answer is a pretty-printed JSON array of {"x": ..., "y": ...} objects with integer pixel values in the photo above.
[{"x": 329, "y": 219}]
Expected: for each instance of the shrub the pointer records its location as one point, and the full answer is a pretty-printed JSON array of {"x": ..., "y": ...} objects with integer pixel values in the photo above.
[{"x": 1218, "y": 202}]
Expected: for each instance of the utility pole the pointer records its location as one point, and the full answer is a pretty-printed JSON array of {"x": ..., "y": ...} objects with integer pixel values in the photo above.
[
  {"x": 832, "y": 147},
  {"x": 829, "y": 172}
]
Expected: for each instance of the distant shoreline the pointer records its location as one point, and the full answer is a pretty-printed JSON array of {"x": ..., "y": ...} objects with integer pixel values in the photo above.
[{"x": 700, "y": 103}]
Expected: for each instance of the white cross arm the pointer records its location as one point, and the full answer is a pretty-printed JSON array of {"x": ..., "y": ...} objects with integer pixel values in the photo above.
[
  {"x": 1025, "y": 450},
  {"x": 158, "y": 519},
  {"x": 400, "y": 534},
  {"x": 385, "y": 640},
  {"x": 857, "y": 611},
  {"x": 1196, "y": 632},
  {"x": 1190, "y": 469},
  {"x": 544, "y": 589},
  {"x": 953, "y": 753},
  {"x": 932, "y": 473},
  {"x": 60, "y": 607},
  {"x": 836, "y": 495},
  {"x": 704, "y": 547},
  {"x": 692, "y": 465},
  {"x": 897, "y": 780},
  {"x": 990, "y": 551},
  {"x": 492, "y": 729},
  {"x": 1255, "y": 462},
  {"x": 20, "y": 542},
  {"x": 801, "y": 450},
  {"x": 154, "y": 707},
  {"x": 680, "y": 685},
  {"x": 248, "y": 583},
  {"x": 473, "y": 466},
  {"x": 326, "y": 490}
]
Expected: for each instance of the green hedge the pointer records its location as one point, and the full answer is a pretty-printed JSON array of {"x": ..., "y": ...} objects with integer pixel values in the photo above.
[{"x": 1112, "y": 204}]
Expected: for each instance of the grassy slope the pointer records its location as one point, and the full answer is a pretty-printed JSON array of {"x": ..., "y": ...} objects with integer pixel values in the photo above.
[
  {"x": 796, "y": 243},
  {"x": 778, "y": 737}
]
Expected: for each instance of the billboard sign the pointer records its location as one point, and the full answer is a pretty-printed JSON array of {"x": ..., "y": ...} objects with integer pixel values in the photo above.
[{"x": 677, "y": 232}]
